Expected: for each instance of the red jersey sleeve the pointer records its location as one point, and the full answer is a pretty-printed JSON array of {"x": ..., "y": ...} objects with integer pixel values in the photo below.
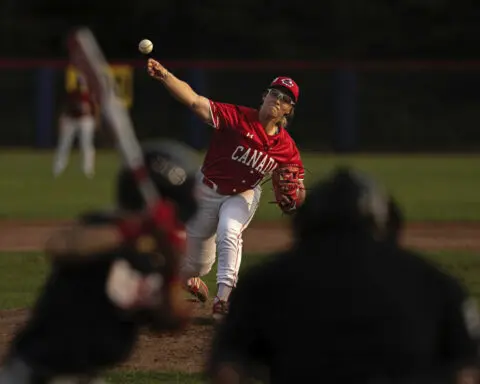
[
  {"x": 224, "y": 115},
  {"x": 296, "y": 159}
]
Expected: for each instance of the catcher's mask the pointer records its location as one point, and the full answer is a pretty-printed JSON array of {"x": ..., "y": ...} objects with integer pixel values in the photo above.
[
  {"x": 172, "y": 167},
  {"x": 348, "y": 200}
]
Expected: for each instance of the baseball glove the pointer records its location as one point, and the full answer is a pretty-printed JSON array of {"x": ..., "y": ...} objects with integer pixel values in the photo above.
[{"x": 288, "y": 189}]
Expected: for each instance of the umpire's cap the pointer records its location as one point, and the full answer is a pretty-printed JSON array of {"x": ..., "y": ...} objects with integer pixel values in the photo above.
[
  {"x": 348, "y": 200},
  {"x": 172, "y": 167}
]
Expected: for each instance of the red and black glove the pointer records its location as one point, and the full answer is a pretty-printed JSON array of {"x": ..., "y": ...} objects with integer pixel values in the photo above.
[{"x": 288, "y": 188}]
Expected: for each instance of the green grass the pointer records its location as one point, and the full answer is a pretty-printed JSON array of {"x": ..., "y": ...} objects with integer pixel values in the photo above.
[
  {"x": 428, "y": 187},
  {"x": 21, "y": 275},
  {"x": 28, "y": 189},
  {"x": 463, "y": 265}
]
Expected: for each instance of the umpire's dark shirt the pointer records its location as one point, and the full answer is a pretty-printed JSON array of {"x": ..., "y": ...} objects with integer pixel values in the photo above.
[{"x": 347, "y": 309}]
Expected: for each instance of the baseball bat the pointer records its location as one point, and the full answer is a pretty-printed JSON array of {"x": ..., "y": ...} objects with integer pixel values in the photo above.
[{"x": 87, "y": 56}]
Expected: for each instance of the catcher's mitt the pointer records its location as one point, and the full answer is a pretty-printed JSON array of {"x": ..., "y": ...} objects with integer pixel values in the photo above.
[{"x": 288, "y": 189}]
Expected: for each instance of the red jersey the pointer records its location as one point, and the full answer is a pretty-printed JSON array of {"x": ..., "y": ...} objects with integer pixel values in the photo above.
[
  {"x": 241, "y": 153},
  {"x": 79, "y": 103}
]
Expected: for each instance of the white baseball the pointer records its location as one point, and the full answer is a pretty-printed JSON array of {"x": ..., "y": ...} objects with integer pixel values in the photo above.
[{"x": 145, "y": 46}]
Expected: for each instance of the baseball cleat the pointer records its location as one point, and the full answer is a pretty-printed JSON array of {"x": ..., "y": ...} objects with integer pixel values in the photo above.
[
  {"x": 220, "y": 309},
  {"x": 196, "y": 287}
]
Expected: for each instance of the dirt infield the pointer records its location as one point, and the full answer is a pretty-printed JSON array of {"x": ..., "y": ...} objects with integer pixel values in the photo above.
[
  {"x": 263, "y": 237},
  {"x": 186, "y": 351}
]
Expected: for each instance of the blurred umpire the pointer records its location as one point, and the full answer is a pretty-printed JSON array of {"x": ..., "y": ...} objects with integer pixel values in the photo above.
[
  {"x": 346, "y": 304},
  {"x": 112, "y": 273}
]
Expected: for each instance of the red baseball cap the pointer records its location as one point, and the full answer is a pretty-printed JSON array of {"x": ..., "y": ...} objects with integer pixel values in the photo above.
[{"x": 288, "y": 84}]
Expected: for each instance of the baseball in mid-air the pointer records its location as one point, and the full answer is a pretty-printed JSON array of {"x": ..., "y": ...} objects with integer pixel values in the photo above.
[{"x": 145, "y": 46}]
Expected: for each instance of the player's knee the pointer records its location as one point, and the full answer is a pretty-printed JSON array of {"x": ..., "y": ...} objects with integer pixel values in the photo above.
[
  {"x": 193, "y": 268},
  {"x": 203, "y": 268}
]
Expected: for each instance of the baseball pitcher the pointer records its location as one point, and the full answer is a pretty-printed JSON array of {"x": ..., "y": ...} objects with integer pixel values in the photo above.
[{"x": 248, "y": 144}]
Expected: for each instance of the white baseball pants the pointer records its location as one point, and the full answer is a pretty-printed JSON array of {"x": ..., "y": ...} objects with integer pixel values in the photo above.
[
  {"x": 217, "y": 227},
  {"x": 83, "y": 128}
]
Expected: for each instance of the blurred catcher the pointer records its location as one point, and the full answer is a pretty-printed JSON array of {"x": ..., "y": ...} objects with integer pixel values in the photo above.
[
  {"x": 385, "y": 314},
  {"x": 112, "y": 273}
]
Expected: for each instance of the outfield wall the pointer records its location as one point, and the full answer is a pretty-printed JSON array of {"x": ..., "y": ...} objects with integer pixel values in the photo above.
[{"x": 393, "y": 106}]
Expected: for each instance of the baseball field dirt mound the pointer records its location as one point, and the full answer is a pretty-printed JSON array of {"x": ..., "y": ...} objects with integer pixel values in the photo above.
[
  {"x": 184, "y": 351},
  {"x": 9, "y": 321}
]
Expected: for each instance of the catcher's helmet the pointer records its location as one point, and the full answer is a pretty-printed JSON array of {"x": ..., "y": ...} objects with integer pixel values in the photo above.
[
  {"x": 172, "y": 167},
  {"x": 348, "y": 200}
]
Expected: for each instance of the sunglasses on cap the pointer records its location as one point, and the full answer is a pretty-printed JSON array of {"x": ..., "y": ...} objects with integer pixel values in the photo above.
[{"x": 280, "y": 96}]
